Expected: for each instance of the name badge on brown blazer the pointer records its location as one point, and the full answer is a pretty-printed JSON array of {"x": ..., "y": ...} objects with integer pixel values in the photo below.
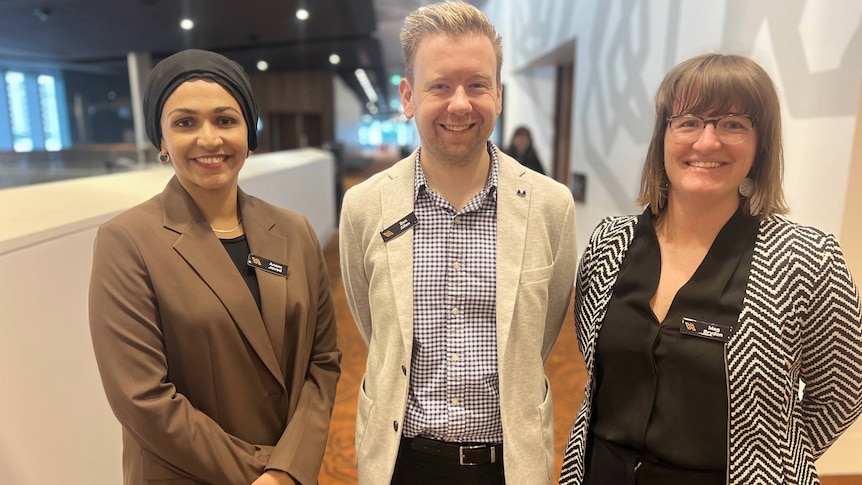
[
  {"x": 268, "y": 265},
  {"x": 399, "y": 227}
]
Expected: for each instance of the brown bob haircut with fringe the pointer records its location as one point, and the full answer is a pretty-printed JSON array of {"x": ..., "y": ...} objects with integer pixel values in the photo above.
[
  {"x": 454, "y": 19},
  {"x": 712, "y": 85}
]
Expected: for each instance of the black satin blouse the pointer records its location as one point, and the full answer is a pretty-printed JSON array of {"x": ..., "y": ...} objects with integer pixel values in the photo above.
[{"x": 661, "y": 392}]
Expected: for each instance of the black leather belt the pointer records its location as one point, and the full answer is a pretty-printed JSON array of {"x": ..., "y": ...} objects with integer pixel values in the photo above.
[{"x": 463, "y": 453}]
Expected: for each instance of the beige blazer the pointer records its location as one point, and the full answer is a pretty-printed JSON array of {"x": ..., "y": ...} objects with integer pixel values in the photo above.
[
  {"x": 536, "y": 257},
  {"x": 207, "y": 388}
]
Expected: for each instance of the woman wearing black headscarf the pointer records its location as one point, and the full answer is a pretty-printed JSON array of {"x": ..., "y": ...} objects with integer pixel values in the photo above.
[{"x": 210, "y": 310}]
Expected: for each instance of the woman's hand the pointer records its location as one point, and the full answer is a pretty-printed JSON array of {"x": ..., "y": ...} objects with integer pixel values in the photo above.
[{"x": 274, "y": 477}]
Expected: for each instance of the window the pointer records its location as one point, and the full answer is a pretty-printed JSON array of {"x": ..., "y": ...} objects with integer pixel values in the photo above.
[
  {"x": 34, "y": 110},
  {"x": 50, "y": 113},
  {"x": 22, "y": 141}
]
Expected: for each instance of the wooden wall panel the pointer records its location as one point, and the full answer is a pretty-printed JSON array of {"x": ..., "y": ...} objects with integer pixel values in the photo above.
[{"x": 295, "y": 93}]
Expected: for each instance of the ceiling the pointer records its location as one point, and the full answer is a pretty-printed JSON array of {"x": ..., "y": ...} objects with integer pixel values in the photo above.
[{"x": 98, "y": 34}]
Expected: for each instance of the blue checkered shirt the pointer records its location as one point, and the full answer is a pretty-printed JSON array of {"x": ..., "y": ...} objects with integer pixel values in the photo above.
[{"x": 454, "y": 388}]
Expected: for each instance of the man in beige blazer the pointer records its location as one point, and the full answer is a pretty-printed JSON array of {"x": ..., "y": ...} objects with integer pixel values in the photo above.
[
  {"x": 207, "y": 387},
  {"x": 458, "y": 265}
]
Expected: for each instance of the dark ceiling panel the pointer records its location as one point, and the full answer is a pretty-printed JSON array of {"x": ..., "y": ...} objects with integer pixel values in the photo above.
[{"x": 97, "y": 34}]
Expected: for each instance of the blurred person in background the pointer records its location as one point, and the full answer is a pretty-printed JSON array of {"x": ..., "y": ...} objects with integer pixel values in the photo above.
[{"x": 521, "y": 149}]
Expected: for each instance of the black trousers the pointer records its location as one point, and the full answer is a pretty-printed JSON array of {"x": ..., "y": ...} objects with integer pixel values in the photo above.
[
  {"x": 608, "y": 464},
  {"x": 417, "y": 468}
]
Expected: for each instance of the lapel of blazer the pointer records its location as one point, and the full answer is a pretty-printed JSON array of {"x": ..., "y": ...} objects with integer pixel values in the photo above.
[
  {"x": 205, "y": 254},
  {"x": 265, "y": 242},
  {"x": 513, "y": 204},
  {"x": 615, "y": 236},
  {"x": 396, "y": 201}
]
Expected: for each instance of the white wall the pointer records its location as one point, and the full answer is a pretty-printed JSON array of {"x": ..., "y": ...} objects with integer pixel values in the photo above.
[
  {"x": 811, "y": 48},
  {"x": 534, "y": 90},
  {"x": 55, "y": 423},
  {"x": 348, "y": 117}
]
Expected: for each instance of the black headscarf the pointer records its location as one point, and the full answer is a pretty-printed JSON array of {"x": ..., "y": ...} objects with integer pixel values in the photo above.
[{"x": 192, "y": 63}]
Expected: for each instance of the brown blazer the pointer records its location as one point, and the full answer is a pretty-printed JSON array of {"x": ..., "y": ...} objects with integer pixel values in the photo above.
[{"x": 207, "y": 388}]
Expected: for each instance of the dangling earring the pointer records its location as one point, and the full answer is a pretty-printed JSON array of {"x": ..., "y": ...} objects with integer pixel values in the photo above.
[
  {"x": 164, "y": 158},
  {"x": 662, "y": 194},
  {"x": 746, "y": 187}
]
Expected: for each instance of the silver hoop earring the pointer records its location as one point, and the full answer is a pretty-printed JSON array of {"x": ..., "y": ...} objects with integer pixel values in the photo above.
[
  {"x": 164, "y": 158},
  {"x": 746, "y": 187}
]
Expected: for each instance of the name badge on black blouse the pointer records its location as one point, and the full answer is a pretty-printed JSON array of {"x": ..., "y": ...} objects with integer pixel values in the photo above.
[
  {"x": 712, "y": 331},
  {"x": 268, "y": 265}
]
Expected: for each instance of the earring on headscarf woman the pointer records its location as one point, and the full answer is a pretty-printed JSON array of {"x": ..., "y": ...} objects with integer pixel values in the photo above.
[
  {"x": 164, "y": 158},
  {"x": 746, "y": 187}
]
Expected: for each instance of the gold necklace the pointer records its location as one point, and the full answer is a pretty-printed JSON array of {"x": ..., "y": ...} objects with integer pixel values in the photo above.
[{"x": 226, "y": 231}]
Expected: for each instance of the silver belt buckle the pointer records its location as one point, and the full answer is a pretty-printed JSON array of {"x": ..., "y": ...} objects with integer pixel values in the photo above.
[{"x": 476, "y": 447}]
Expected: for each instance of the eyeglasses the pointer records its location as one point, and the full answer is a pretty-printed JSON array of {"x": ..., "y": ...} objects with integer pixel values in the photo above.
[{"x": 730, "y": 129}]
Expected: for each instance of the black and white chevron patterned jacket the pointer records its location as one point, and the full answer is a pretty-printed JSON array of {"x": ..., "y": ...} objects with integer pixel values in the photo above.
[{"x": 800, "y": 322}]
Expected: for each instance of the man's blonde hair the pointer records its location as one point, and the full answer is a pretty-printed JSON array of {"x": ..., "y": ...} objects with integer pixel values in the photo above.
[{"x": 453, "y": 18}]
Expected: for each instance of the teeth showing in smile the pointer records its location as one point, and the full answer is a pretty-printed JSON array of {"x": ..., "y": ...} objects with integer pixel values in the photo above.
[
  {"x": 210, "y": 160},
  {"x": 705, "y": 164},
  {"x": 457, "y": 128}
]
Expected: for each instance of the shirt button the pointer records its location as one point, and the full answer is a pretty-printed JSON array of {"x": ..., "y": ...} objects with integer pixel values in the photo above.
[
  {"x": 455, "y": 401},
  {"x": 455, "y": 311},
  {"x": 455, "y": 357},
  {"x": 456, "y": 219},
  {"x": 456, "y": 265}
]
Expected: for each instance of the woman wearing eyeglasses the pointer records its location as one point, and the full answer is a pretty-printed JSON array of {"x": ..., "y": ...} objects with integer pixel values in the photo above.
[{"x": 722, "y": 342}]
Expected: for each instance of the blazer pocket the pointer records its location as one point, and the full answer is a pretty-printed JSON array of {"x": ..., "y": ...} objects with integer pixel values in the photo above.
[
  {"x": 262, "y": 453},
  {"x": 546, "y": 413},
  {"x": 363, "y": 411},
  {"x": 536, "y": 275}
]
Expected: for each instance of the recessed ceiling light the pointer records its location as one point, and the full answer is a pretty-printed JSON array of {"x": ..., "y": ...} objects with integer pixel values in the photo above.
[
  {"x": 187, "y": 24},
  {"x": 334, "y": 59},
  {"x": 262, "y": 65},
  {"x": 302, "y": 14}
]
